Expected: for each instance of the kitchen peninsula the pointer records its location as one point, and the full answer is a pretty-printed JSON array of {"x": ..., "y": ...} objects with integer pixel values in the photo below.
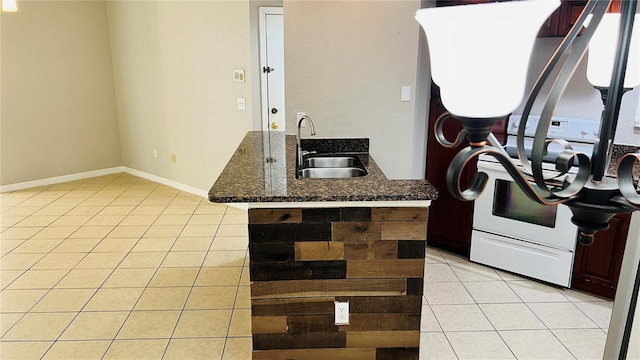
[{"x": 314, "y": 242}]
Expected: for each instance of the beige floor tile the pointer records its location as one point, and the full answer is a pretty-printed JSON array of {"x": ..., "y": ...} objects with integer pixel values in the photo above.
[
  {"x": 56, "y": 232},
  {"x": 139, "y": 220},
  {"x": 87, "y": 350},
  {"x": 479, "y": 345},
  {"x": 447, "y": 293},
  {"x": 92, "y": 232},
  {"x": 561, "y": 316},
  {"x": 54, "y": 210},
  {"x": 191, "y": 230},
  {"x": 169, "y": 231},
  {"x": 428, "y": 322},
  {"x": 19, "y": 261},
  {"x": 484, "y": 292},
  {"x": 184, "y": 198},
  {"x": 218, "y": 276},
  {"x": 72, "y": 220},
  {"x": 207, "y": 208},
  {"x": 129, "y": 278},
  {"x": 8, "y": 221},
  {"x": 131, "y": 192},
  {"x": 98, "y": 200},
  {"x": 240, "y": 323},
  {"x": 169, "y": 219},
  {"x": 435, "y": 346},
  {"x": 237, "y": 348},
  {"x": 64, "y": 300},
  {"x": 21, "y": 210},
  {"x": 192, "y": 243},
  {"x": 203, "y": 298},
  {"x": 37, "y": 246},
  {"x": 101, "y": 260},
  {"x": 461, "y": 318},
  {"x": 84, "y": 278},
  {"x": 166, "y": 277},
  {"x": 117, "y": 245},
  {"x": 166, "y": 298},
  {"x": 76, "y": 245},
  {"x": 154, "y": 244},
  {"x": 136, "y": 349},
  {"x": 535, "y": 344},
  {"x": 230, "y": 243},
  {"x": 243, "y": 298},
  {"x": 583, "y": 343},
  {"x": 85, "y": 210},
  {"x": 598, "y": 311},
  {"x": 532, "y": 291},
  {"x": 38, "y": 220},
  {"x": 164, "y": 192},
  {"x": 149, "y": 324},
  {"x": 208, "y": 219},
  {"x": 20, "y": 233},
  {"x": 156, "y": 201},
  {"x": 579, "y": 296},
  {"x": 39, "y": 326},
  {"x": 244, "y": 278},
  {"x": 148, "y": 210},
  {"x": 20, "y": 300},
  {"x": 467, "y": 271},
  {"x": 6, "y": 322},
  {"x": 110, "y": 299},
  {"x": 141, "y": 260},
  {"x": 126, "y": 201},
  {"x": 195, "y": 349},
  {"x": 434, "y": 272},
  {"x": 511, "y": 317},
  {"x": 38, "y": 279},
  {"x": 235, "y": 219},
  {"x": 128, "y": 231},
  {"x": 225, "y": 258},
  {"x": 59, "y": 261},
  {"x": 180, "y": 209},
  {"x": 232, "y": 230},
  {"x": 24, "y": 350},
  {"x": 184, "y": 259},
  {"x": 95, "y": 326},
  {"x": 105, "y": 220},
  {"x": 203, "y": 323},
  {"x": 117, "y": 209}
]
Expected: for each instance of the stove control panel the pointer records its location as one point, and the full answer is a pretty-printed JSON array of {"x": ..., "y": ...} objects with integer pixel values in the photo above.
[{"x": 570, "y": 129}]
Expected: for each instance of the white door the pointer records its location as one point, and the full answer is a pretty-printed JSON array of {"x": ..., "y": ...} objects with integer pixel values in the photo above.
[{"x": 272, "y": 68}]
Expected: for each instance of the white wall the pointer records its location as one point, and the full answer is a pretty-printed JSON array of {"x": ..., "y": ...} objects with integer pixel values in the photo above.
[
  {"x": 58, "y": 112},
  {"x": 173, "y": 63},
  {"x": 345, "y": 63}
]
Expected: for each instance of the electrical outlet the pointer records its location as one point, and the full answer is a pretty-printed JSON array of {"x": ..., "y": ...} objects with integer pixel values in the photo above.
[
  {"x": 155, "y": 153},
  {"x": 300, "y": 115},
  {"x": 342, "y": 313},
  {"x": 173, "y": 158}
]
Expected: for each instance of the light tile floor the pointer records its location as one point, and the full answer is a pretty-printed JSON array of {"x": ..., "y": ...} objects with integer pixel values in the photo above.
[{"x": 118, "y": 267}]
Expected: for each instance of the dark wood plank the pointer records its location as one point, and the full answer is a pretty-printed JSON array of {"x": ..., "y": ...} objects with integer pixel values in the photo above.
[
  {"x": 404, "y": 230},
  {"x": 279, "y": 233},
  {"x": 321, "y": 215},
  {"x": 383, "y": 304},
  {"x": 293, "y": 306},
  {"x": 401, "y": 268},
  {"x": 340, "y": 287},
  {"x": 300, "y": 341},
  {"x": 405, "y": 353},
  {"x": 383, "y": 339},
  {"x": 319, "y": 250},
  {"x": 298, "y": 270},
  {"x": 356, "y": 214},
  {"x": 380, "y": 321},
  {"x": 270, "y": 216},
  {"x": 316, "y": 354},
  {"x": 356, "y": 231},
  {"x": 415, "y": 286},
  {"x": 400, "y": 214},
  {"x": 312, "y": 323},
  {"x": 261, "y": 252},
  {"x": 412, "y": 249}
]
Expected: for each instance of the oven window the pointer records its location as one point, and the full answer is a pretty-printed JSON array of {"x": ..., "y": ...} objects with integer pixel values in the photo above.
[{"x": 510, "y": 202}]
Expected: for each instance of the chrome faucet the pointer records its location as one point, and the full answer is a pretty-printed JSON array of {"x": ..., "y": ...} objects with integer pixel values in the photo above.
[{"x": 298, "y": 137}]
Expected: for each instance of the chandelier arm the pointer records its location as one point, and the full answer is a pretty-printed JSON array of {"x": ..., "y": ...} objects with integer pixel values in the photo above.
[
  {"x": 562, "y": 49},
  {"x": 478, "y": 183},
  {"x": 626, "y": 182},
  {"x": 439, "y": 132},
  {"x": 602, "y": 151}
]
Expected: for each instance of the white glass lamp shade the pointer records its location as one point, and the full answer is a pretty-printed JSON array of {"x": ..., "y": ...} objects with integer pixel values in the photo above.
[
  {"x": 602, "y": 51},
  {"x": 9, "y": 5},
  {"x": 480, "y": 53}
]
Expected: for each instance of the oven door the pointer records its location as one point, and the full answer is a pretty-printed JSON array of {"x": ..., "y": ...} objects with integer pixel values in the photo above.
[{"x": 503, "y": 209}]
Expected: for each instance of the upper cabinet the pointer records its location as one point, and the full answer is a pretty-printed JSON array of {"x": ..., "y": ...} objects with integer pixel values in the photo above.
[{"x": 558, "y": 24}]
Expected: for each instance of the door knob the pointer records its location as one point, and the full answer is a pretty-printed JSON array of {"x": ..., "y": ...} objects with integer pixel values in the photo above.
[{"x": 274, "y": 110}]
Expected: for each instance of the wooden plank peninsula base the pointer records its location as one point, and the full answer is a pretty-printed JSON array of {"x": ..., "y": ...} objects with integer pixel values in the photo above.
[{"x": 303, "y": 260}]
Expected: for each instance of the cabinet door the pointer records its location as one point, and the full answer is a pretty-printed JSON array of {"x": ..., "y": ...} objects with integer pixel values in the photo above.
[{"x": 596, "y": 268}]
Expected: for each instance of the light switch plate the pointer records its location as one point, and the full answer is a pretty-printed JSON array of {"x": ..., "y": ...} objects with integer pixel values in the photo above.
[
  {"x": 242, "y": 104},
  {"x": 405, "y": 93}
]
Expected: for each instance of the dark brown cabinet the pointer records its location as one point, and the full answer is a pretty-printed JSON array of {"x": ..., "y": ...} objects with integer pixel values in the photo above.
[{"x": 596, "y": 268}]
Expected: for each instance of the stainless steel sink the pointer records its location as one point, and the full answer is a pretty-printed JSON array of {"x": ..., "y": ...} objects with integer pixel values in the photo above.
[
  {"x": 332, "y": 162},
  {"x": 331, "y": 172}
]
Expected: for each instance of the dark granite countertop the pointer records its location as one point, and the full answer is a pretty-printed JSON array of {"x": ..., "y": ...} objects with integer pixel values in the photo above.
[{"x": 250, "y": 178}]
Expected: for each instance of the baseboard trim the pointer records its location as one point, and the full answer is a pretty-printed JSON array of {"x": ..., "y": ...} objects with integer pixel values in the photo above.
[
  {"x": 167, "y": 182},
  {"x": 60, "y": 179}
]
